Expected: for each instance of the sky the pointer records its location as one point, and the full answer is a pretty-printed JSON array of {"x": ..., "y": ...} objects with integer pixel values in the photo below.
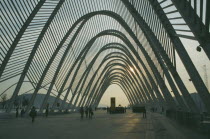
[
  {"x": 114, "y": 91},
  {"x": 199, "y": 59}
]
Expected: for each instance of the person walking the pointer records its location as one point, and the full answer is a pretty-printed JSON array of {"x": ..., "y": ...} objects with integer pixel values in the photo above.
[
  {"x": 33, "y": 113},
  {"x": 144, "y": 113},
  {"x": 17, "y": 112},
  {"x": 82, "y": 112},
  {"x": 47, "y": 110},
  {"x": 90, "y": 112},
  {"x": 86, "y": 112},
  {"x": 22, "y": 112}
]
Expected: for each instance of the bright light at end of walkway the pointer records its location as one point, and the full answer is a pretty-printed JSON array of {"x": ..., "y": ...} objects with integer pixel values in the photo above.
[{"x": 131, "y": 69}]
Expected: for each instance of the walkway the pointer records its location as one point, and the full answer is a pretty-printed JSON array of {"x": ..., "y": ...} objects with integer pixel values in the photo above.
[{"x": 102, "y": 126}]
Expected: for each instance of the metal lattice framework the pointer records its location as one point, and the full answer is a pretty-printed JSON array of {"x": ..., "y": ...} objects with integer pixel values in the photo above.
[{"x": 75, "y": 49}]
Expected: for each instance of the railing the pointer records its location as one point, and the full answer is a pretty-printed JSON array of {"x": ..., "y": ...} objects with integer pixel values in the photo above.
[{"x": 197, "y": 121}]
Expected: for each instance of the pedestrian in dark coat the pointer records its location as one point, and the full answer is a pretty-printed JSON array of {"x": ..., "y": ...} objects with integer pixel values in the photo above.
[
  {"x": 17, "y": 112},
  {"x": 90, "y": 112},
  {"x": 33, "y": 113},
  {"x": 86, "y": 112},
  {"x": 22, "y": 112},
  {"x": 82, "y": 112},
  {"x": 47, "y": 110}
]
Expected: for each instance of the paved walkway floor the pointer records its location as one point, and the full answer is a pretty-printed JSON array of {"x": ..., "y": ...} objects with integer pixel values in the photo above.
[{"x": 102, "y": 126}]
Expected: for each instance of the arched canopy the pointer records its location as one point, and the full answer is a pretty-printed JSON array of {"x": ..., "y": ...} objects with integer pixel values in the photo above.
[{"x": 78, "y": 48}]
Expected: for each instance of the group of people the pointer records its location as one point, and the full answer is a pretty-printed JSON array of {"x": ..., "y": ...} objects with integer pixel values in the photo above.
[
  {"x": 22, "y": 112},
  {"x": 155, "y": 109},
  {"x": 88, "y": 111},
  {"x": 32, "y": 113}
]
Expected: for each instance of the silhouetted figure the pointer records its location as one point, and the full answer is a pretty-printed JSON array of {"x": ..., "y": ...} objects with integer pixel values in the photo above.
[
  {"x": 32, "y": 113},
  {"x": 144, "y": 113},
  {"x": 90, "y": 112},
  {"x": 22, "y": 112},
  {"x": 17, "y": 112},
  {"x": 82, "y": 112},
  {"x": 47, "y": 110},
  {"x": 86, "y": 112},
  {"x": 125, "y": 110}
]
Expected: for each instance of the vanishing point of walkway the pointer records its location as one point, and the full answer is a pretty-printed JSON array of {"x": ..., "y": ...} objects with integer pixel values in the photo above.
[{"x": 102, "y": 126}]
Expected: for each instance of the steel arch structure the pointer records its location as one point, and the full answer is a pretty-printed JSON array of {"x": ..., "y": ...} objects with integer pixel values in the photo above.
[{"x": 78, "y": 48}]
